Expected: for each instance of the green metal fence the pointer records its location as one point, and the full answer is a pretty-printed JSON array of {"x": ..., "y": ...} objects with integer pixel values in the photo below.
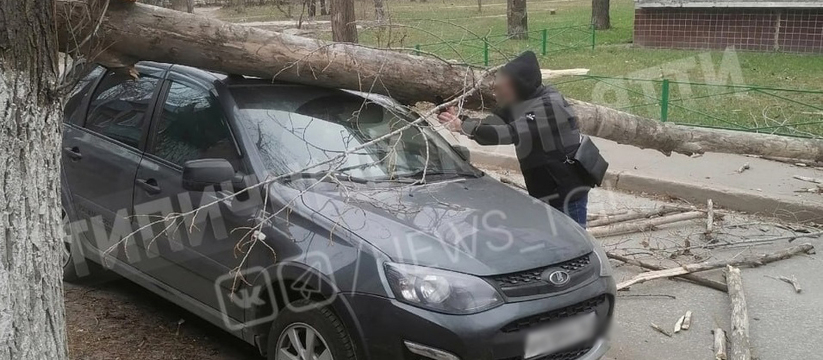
[
  {"x": 792, "y": 112},
  {"x": 495, "y": 49}
]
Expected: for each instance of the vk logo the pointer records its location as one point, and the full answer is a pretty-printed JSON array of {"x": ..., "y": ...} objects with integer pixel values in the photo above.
[
  {"x": 234, "y": 302},
  {"x": 245, "y": 300}
]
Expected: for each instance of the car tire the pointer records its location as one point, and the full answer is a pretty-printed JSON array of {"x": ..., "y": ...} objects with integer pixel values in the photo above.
[
  {"x": 70, "y": 264},
  {"x": 331, "y": 339}
]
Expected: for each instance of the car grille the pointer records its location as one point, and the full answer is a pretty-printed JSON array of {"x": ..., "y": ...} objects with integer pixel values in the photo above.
[
  {"x": 571, "y": 354},
  {"x": 555, "y": 315},
  {"x": 530, "y": 282}
]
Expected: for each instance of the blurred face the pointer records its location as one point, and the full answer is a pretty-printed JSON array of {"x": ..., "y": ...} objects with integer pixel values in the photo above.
[{"x": 504, "y": 90}]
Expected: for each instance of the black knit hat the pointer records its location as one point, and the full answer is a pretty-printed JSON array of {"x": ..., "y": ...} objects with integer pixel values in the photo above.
[{"x": 524, "y": 70}]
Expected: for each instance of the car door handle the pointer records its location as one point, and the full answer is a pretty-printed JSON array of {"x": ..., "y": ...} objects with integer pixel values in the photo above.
[
  {"x": 73, "y": 152},
  {"x": 149, "y": 185}
]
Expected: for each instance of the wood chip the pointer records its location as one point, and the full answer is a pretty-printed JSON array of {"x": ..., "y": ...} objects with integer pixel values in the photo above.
[
  {"x": 679, "y": 324},
  {"x": 719, "y": 344},
  {"x": 791, "y": 281},
  {"x": 660, "y": 330},
  {"x": 687, "y": 320},
  {"x": 743, "y": 168}
]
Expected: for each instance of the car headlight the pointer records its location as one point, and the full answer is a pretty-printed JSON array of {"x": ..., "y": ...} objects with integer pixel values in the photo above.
[
  {"x": 441, "y": 290},
  {"x": 603, "y": 259}
]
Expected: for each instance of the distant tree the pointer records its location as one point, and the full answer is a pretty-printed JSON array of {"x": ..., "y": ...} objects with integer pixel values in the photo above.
[
  {"x": 343, "y": 22},
  {"x": 600, "y": 14},
  {"x": 323, "y": 10},
  {"x": 518, "y": 19},
  {"x": 379, "y": 13}
]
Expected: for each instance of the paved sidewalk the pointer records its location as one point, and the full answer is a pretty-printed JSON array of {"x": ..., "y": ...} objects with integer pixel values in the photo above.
[{"x": 766, "y": 188}]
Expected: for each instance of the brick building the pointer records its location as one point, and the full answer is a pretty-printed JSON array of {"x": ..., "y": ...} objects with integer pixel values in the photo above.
[{"x": 757, "y": 25}]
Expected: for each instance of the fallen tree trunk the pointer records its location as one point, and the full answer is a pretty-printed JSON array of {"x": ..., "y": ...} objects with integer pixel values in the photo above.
[
  {"x": 740, "y": 345},
  {"x": 132, "y": 31},
  {"x": 716, "y": 264},
  {"x": 608, "y": 220}
]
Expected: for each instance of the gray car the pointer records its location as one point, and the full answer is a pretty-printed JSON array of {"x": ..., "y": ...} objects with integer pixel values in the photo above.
[{"x": 269, "y": 210}]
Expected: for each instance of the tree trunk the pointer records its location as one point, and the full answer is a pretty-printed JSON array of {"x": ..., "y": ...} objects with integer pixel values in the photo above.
[
  {"x": 323, "y": 10},
  {"x": 343, "y": 25},
  {"x": 190, "y": 6},
  {"x": 379, "y": 14},
  {"x": 600, "y": 14},
  {"x": 179, "y": 5},
  {"x": 32, "y": 321},
  {"x": 144, "y": 32},
  {"x": 312, "y": 8},
  {"x": 518, "y": 19},
  {"x": 480, "y": 6}
]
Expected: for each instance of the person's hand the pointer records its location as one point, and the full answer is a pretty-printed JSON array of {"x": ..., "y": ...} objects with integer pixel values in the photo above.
[{"x": 450, "y": 120}]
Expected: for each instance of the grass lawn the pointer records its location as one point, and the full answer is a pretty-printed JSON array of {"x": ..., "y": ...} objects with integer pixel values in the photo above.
[{"x": 569, "y": 46}]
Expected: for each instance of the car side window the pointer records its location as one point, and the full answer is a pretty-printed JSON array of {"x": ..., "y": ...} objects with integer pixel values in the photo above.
[
  {"x": 119, "y": 105},
  {"x": 192, "y": 126},
  {"x": 73, "y": 108}
]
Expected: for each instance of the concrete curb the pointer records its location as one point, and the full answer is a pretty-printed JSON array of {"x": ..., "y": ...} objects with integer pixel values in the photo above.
[{"x": 730, "y": 198}]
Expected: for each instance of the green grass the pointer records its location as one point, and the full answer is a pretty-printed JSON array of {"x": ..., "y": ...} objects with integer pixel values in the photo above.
[{"x": 463, "y": 26}]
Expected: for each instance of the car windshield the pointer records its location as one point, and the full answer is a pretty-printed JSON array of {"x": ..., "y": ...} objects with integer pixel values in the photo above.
[{"x": 295, "y": 127}]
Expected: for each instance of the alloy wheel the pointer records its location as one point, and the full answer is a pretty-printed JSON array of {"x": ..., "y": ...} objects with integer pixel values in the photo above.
[
  {"x": 302, "y": 342},
  {"x": 64, "y": 221}
]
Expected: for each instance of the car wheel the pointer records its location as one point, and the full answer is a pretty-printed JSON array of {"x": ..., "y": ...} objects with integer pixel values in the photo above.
[
  {"x": 68, "y": 261},
  {"x": 312, "y": 334}
]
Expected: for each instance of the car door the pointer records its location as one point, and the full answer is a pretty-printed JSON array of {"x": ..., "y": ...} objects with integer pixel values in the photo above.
[
  {"x": 101, "y": 153},
  {"x": 189, "y": 124}
]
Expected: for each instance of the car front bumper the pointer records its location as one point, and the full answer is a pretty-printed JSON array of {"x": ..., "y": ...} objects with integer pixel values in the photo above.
[{"x": 381, "y": 326}]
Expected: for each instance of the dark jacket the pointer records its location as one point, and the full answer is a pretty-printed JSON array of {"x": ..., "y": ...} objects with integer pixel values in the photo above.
[{"x": 543, "y": 129}]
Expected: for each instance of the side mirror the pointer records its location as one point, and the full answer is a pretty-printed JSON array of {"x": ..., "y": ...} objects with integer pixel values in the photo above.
[
  {"x": 202, "y": 173},
  {"x": 464, "y": 152}
]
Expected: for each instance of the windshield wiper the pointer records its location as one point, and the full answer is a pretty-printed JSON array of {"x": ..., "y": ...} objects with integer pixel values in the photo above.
[{"x": 326, "y": 176}]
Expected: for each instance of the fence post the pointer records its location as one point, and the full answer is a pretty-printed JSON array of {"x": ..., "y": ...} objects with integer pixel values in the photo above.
[
  {"x": 545, "y": 40},
  {"x": 664, "y": 101},
  {"x": 485, "y": 52},
  {"x": 594, "y": 36},
  {"x": 417, "y": 49}
]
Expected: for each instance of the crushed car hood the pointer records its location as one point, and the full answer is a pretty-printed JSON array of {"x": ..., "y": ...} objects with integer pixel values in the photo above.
[{"x": 471, "y": 225}]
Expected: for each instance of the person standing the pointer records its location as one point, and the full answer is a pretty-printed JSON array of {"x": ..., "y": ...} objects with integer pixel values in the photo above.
[{"x": 541, "y": 125}]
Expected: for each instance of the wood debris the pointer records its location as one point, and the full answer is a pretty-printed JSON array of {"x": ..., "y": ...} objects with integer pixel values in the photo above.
[
  {"x": 709, "y": 219},
  {"x": 743, "y": 168},
  {"x": 719, "y": 344},
  {"x": 740, "y": 344},
  {"x": 660, "y": 330},
  {"x": 752, "y": 261},
  {"x": 643, "y": 225},
  {"x": 679, "y": 324},
  {"x": 809, "y": 179},
  {"x": 791, "y": 281},
  {"x": 687, "y": 320},
  {"x": 717, "y": 285}
]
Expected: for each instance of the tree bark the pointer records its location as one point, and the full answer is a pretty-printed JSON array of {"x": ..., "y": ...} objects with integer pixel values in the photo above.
[
  {"x": 379, "y": 13},
  {"x": 740, "y": 348},
  {"x": 323, "y": 10},
  {"x": 311, "y": 5},
  {"x": 32, "y": 321},
  {"x": 518, "y": 19},
  {"x": 600, "y": 14},
  {"x": 343, "y": 23},
  {"x": 137, "y": 31}
]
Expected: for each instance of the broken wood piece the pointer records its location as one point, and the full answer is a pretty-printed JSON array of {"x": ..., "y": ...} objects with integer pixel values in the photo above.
[
  {"x": 809, "y": 179},
  {"x": 743, "y": 168},
  {"x": 752, "y": 261},
  {"x": 740, "y": 344},
  {"x": 719, "y": 344},
  {"x": 752, "y": 242},
  {"x": 791, "y": 281},
  {"x": 608, "y": 220},
  {"x": 709, "y": 218},
  {"x": 603, "y": 213},
  {"x": 687, "y": 320},
  {"x": 679, "y": 324},
  {"x": 511, "y": 182},
  {"x": 717, "y": 285},
  {"x": 643, "y": 225},
  {"x": 660, "y": 330},
  {"x": 549, "y": 74}
]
